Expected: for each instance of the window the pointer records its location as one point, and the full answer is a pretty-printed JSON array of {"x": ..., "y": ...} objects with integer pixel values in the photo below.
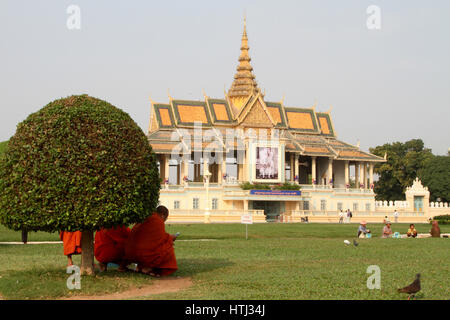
[
  {"x": 323, "y": 205},
  {"x": 176, "y": 204},
  {"x": 368, "y": 207},
  {"x": 195, "y": 203},
  {"x": 306, "y": 205},
  {"x": 214, "y": 205},
  {"x": 287, "y": 171},
  {"x": 355, "y": 206},
  {"x": 339, "y": 206}
]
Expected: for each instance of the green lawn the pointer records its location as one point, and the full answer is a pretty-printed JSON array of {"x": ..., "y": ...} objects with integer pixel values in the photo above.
[{"x": 278, "y": 261}]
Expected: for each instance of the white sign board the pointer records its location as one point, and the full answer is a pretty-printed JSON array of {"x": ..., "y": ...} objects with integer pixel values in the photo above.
[{"x": 247, "y": 219}]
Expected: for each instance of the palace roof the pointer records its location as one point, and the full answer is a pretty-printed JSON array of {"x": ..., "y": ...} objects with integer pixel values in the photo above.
[{"x": 224, "y": 124}]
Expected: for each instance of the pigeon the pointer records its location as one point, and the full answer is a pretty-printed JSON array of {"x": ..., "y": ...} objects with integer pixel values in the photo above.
[
  {"x": 413, "y": 288},
  {"x": 355, "y": 243}
]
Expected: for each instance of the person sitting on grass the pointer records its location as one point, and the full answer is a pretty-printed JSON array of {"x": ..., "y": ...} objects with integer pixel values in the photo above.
[
  {"x": 362, "y": 230},
  {"x": 71, "y": 244},
  {"x": 109, "y": 246},
  {"x": 387, "y": 231},
  {"x": 435, "y": 230},
  {"x": 412, "y": 232},
  {"x": 151, "y": 247}
]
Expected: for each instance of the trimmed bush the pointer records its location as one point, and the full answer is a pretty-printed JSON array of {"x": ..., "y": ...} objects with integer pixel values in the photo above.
[
  {"x": 79, "y": 163},
  {"x": 262, "y": 186},
  {"x": 444, "y": 219}
]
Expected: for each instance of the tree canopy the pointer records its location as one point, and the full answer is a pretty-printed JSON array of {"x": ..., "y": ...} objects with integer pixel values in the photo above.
[
  {"x": 405, "y": 162},
  {"x": 436, "y": 176},
  {"x": 3, "y": 146},
  {"x": 79, "y": 163}
]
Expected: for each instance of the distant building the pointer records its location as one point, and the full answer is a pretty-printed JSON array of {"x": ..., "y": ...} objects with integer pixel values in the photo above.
[{"x": 206, "y": 149}]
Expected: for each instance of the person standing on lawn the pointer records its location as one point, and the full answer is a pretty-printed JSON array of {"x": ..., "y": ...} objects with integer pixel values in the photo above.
[
  {"x": 71, "y": 244},
  {"x": 341, "y": 216}
]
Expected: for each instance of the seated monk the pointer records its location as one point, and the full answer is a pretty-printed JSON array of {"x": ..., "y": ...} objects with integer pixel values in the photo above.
[
  {"x": 151, "y": 247},
  {"x": 109, "y": 246},
  {"x": 71, "y": 243},
  {"x": 435, "y": 230}
]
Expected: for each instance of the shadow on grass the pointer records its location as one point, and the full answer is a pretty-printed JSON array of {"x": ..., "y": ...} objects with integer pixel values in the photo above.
[
  {"x": 192, "y": 267},
  {"x": 51, "y": 283},
  {"x": 40, "y": 283}
]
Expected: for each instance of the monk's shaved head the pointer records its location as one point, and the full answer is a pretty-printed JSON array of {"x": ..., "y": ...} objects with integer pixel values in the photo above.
[{"x": 163, "y": 212}]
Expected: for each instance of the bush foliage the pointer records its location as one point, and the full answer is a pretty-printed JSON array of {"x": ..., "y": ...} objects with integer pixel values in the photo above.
[
  {"x": 444, "y": 219},
  {"x": 79, "y": 163},
  {"x": 263, "y": 186}
]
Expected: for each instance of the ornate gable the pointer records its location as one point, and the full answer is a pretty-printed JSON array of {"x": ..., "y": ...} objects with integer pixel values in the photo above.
[{"x": 255, "y": 114}]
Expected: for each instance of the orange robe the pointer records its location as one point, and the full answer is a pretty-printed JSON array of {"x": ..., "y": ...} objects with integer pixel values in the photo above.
[
  {"x": 109, "y": 244},
  {"x": 150, "y": 246},
  {"x": 71, "y": 242}
]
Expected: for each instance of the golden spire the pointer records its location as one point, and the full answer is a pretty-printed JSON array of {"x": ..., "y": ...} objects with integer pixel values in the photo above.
[{"x": 244, "y": 83}]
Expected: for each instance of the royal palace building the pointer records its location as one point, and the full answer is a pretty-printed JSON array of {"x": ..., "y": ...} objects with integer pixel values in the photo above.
[{"x": 240, "y": 153}]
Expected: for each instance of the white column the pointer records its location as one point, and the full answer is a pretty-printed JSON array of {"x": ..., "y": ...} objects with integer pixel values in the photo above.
[
  {"x": 166, "y": 167},
  {"x": 330, "y": 170},
  {"x": 224, "y": 166},
  {"x": 361, "y": 174},
  {"x": 313, "y": 169},
  {"x": 292, "y": 164},
  {"x": 357, "y": 174},
  {"x": 182, "y": 171},
  {"x": 219, "y": 172},
  {"x": 347, "y": 173},
  {"x": 185, "y": 166},
  {"x": 371, "y": 174},
  {"x": 365, "y": 174}
]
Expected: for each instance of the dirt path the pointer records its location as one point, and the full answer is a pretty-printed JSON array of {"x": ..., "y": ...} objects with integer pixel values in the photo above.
[{"x": 164, "y": 285}]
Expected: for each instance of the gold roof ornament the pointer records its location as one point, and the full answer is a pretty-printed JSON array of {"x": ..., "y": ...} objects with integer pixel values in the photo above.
[{"x": 244, "y": 83}]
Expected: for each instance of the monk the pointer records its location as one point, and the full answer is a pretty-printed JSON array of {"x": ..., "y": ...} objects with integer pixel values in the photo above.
[
  {"x": 435, "y": 230},
  {"x": 151, "y": 247},
  {"x": 71, "y": 243},
  {"x": 109, "y": 246}
]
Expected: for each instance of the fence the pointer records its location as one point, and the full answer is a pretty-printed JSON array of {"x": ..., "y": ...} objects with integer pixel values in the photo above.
[{"x": 213, "y": 216}]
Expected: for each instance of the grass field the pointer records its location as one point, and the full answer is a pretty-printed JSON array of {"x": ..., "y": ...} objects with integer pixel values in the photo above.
[{"x": 278, "y": 261}]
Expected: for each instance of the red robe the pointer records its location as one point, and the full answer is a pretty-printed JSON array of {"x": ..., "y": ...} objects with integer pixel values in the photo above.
[
  {"x": 71, "y": 242},
  {"x": 109, "y": 244},
  {"x": 151, "y": 247}
]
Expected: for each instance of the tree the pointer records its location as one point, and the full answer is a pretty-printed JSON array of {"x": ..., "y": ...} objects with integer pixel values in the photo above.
[
  {"x": 79, "y": 163},
  {"x": 404, "y": 163},
  {"x": 3, "y": 146},
  {"x": 436, "y": 176}
]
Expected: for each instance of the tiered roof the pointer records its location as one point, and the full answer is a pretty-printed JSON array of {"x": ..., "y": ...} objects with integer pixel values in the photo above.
[{"x": 303, "y": 130}]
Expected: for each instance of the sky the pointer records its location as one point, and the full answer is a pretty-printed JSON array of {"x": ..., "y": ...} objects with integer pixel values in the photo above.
[{"x": 381, "y": 85}]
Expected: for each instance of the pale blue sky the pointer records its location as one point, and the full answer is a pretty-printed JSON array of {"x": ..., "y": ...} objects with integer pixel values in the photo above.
[{"x": 386, "y": 85}]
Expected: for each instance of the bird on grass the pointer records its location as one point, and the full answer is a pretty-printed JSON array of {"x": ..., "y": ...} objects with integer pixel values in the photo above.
[
  {"x": 355, "y": 243},
  {"x": 413, "y": 288}
]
